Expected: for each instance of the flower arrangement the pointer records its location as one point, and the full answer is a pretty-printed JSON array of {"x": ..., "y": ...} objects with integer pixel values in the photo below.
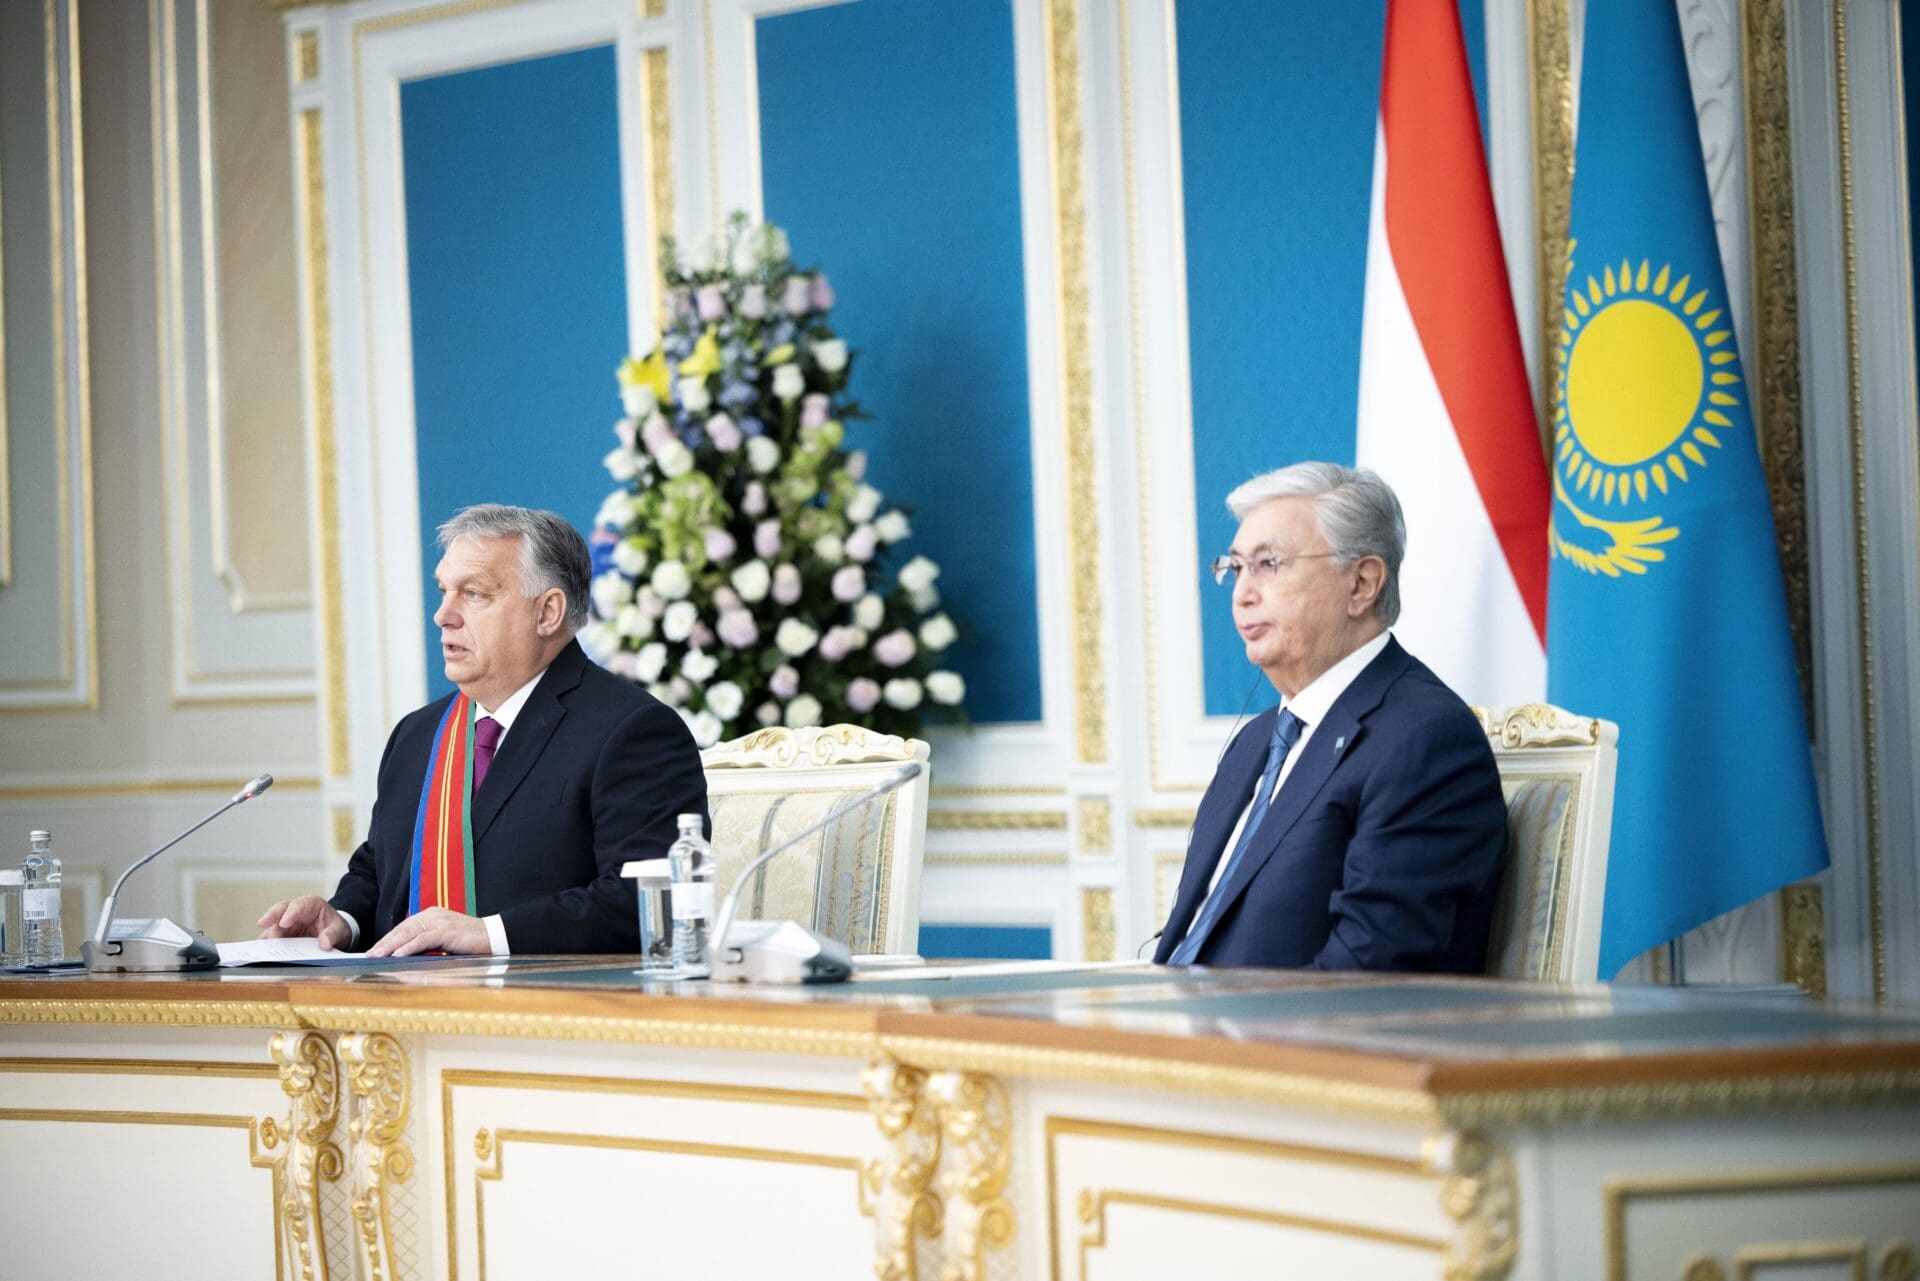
[{"x": 742, "y": 566}]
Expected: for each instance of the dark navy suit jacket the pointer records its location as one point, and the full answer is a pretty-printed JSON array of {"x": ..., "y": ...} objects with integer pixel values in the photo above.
[
  {"x": 592, "y": 774},
  {"x": 1383, "y": 850}
]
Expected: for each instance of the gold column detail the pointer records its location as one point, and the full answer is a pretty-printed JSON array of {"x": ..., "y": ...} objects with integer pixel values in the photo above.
[
  {"x": 977, "y": 1116},
  {"x": 306, "y": 57},
  {"x": 1478, "y": 1194},
  {"x": 1096, "y": 825},
  {"x": 1096, "y": 913},
  {"x": 1803, "y": 946},
  {"x": 382, "y": 1089},
  {"x": 897, "y": 1095},
  {"x": 656, "y": 150},
  {"x": 1552, "y": 168},
  {"x": 1062, "y": 26},
  {"x": 307, "y": 1155}
]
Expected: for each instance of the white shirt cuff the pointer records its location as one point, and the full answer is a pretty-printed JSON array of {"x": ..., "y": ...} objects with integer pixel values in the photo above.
[
  {"x": 353, "y": 927},
  {"x": 496, "y": 935}
]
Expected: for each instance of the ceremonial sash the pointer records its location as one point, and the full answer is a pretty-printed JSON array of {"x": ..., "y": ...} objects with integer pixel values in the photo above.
[{"x": 443, "y": 832}]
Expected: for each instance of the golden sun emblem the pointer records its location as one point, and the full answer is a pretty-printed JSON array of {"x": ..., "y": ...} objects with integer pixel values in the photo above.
[{"x": 1646, "y": 375}]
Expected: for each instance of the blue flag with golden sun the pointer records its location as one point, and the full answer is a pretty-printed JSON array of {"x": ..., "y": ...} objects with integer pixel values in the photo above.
[{"x": 1665, "y": 610}]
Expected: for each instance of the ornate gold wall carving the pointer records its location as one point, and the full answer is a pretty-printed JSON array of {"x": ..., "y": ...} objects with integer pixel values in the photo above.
[
  {"x": 304, "y": 1152},
  {"x": 1096, "y": 917},
  {"x": 977, "y": 1115},
  {"x": 381, "y": 1082},
  {"x": 908, "y": 1122}
]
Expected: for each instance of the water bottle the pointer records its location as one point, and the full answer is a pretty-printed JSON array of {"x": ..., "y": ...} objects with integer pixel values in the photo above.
[
  {"x": 13, "y": 925},
  {"x": 40, "y": 901},
  {"x": 691, "y": 862}
]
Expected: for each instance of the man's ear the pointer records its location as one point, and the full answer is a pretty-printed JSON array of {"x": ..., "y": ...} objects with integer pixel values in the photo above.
[
  {"x": 553, "y": 612},
  {"x": 1370, "y": 579}
]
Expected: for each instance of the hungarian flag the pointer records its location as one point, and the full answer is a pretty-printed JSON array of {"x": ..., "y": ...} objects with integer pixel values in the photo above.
[{"x": 1445, "y": 413}]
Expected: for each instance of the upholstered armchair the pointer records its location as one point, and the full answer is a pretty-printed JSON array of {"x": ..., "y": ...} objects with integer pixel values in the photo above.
[{"x": 856, "y": 880}]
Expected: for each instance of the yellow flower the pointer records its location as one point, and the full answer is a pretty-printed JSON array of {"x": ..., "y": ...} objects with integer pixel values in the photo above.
[
  {"x": 705, "y": 358},
  {"x": 780, "y": 355},
  {"x": 651, "y": 372}
]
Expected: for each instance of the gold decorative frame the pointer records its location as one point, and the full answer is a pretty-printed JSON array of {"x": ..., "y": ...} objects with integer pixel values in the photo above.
[
  {"x": 1096, "y": 922},
  {"x": 779, "y": 748}
]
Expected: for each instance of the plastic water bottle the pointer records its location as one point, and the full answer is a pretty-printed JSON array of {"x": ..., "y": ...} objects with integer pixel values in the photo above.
[
  {"x": 691, "y": 862},
  {"x": 40, "y": 901}
]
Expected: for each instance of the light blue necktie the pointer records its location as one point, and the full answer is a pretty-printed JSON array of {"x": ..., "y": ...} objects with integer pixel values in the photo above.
[{"x": 1286, "y": 732}]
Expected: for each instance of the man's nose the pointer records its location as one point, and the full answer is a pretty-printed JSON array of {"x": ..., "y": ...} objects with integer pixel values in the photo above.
[
  {"x": 1245, "y": 592},
  {"x": 445, "y": 615}
]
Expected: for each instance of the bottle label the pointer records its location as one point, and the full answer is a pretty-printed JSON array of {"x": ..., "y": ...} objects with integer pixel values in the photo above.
[
  {"x": 44, "y": 904},
  {"x": 693, "y": 900}
]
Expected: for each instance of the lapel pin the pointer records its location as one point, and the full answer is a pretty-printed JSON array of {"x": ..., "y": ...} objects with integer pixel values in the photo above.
[{"x": 1340, "y": 743}]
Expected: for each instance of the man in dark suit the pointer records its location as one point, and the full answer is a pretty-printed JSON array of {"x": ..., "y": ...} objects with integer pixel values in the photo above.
[
  {"x": 574, "y": 771},
  {"x": 1359, "y": 825}
]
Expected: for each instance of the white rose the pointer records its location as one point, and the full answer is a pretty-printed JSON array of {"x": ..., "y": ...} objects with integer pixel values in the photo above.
[
  {"x": 706, "y": 728},
  {"x": 787, "y": 382},
  {"x": 917, "y": 575},
  {"x": 893, "y": 527},
  {"x": 924, "y": 602},
  {"x": 746, "y": 251},
  {"x": 864, "y": 503},
  {"x": 830, "y": 355},
  {"x": 830, "y": 549},
  {"x": 675, "y": 459},
  {"x": 599, "y": 640},
  {"x": 699, "y": 666},
  {"x": 631, "y": 560},
  {"x": 938, "y": 632},
  {"x": 651, "y": 661},
  {"x": 611, "y": 591},
  {"x": 778, "y": 250},
  {"x": 692, "y": 394},
  {"x": 622, "y": 463},
  {"x": 671, "y": 580},
  {"x": 633, "y": 621},
  {"x": 903, "y": 692},
  {"x": 699, "y": 255},
  {"x": 638, "y": 400},
  {"x": 616, "y": 512},
  {"x": 794, "y": 637},
  {"x": 804, "y": 710},
  {"x": 869, "y": 612},
  {"x": 679, "y": 620},
  {"x": 946, "y": 687},
  {"x": 725, "y": 700},
  {"x": 752, "y": 580},
  {"x": 763, "y": 454}
]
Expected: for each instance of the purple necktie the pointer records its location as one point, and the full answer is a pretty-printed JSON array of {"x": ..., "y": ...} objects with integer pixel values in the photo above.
[{"x": 486, "y": 737}]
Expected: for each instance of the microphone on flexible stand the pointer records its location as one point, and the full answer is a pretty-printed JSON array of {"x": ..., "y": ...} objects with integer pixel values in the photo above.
[
  {"x": 149, "y": 945},
  {"x": 787, "y": 951}
]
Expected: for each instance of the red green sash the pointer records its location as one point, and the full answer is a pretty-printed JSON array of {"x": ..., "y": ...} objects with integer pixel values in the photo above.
[{"x": 443, "y": 832}]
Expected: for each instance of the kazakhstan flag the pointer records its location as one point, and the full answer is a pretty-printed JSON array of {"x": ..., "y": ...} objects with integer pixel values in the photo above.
[{"x": 1665, "y": 610}]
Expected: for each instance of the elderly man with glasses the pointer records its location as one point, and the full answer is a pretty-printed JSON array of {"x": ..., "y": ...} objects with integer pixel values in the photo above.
[{"x": 1359, "y": 825}]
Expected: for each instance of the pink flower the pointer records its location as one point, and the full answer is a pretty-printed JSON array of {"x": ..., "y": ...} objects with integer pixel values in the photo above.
[
  {"x": 786, "y": 589},
  {"x": 701, "y": 637},
  {"x": 754, "y": 501},
  {"x": 895, "y": 648},
  {"x": 711, "y": 303},
  {"x": 849, "y": 584},
  {"x": 767, "y": 713},
  {"x": 624, "y": 430},
  {"x": 682, "y": 302},
  {"x": 862, "y": 543},
  {"x": 785, "y": 682},
  {"x": 857, "y": 464},
  {"x": 863, "y": 695},
  {"x": 813, "y": 410},
  {"x": 794, "y": 297},
  {"x": 753, "y": 302},
  {"x": 625, "y": 663},
  {"x": 720, "y": 545},
  {"x": 725, "y": 598},
  {"x": 766, "y": 539},
  {"x": 738, "y": 629},
  {"x": 652, "y": 603},
  {"x": 833, "y": 646},
  {"x": 723, "y": 433},
  {"x": 822, "y": 293},
  {"x": 656, "y": 433}
]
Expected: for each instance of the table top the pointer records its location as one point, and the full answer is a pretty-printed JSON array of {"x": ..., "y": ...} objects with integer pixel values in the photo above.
[{"x": 1395, "y": 1045}]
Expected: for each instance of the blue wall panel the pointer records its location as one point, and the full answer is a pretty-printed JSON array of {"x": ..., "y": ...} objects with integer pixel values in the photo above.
[
  {"x": 1278, "y": 103},
  {"x": 991, "y": 942},
  {"x": 890, "y": 153},
  {"x": 517, "y": 284}
]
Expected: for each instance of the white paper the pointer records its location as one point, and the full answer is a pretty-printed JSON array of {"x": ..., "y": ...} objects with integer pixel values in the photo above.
[{"x": 290, "y": 951}]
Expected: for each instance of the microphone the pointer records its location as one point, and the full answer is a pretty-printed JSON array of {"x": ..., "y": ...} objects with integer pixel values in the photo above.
[
  {"x": 154, "y": 945},
  {"x": 787, "y": 951}
]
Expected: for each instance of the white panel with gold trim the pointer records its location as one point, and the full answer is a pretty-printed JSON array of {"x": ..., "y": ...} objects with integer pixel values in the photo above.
[{"x": 47, "y": 592}]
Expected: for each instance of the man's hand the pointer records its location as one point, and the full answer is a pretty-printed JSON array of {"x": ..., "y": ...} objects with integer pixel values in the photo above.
[
  {"x": 308, "y": 917},
  {"x": 438, "y": 929}
]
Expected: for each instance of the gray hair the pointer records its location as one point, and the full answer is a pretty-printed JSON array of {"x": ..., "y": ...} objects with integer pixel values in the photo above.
[
  {"x": 552, "y": 553},
  {"x": 1356, "y": 510}
]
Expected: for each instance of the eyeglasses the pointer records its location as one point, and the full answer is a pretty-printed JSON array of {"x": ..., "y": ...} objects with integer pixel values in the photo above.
[{"x": 1261, "y": 568}]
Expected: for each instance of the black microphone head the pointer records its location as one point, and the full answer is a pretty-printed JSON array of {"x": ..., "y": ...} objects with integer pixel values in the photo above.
[{"x": 253, "y": 789}]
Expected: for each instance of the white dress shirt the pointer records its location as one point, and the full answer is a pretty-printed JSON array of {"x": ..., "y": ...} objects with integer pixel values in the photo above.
[
  {"x": 1310, "y": 706},
  {"x": 505, "y": 714}
]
